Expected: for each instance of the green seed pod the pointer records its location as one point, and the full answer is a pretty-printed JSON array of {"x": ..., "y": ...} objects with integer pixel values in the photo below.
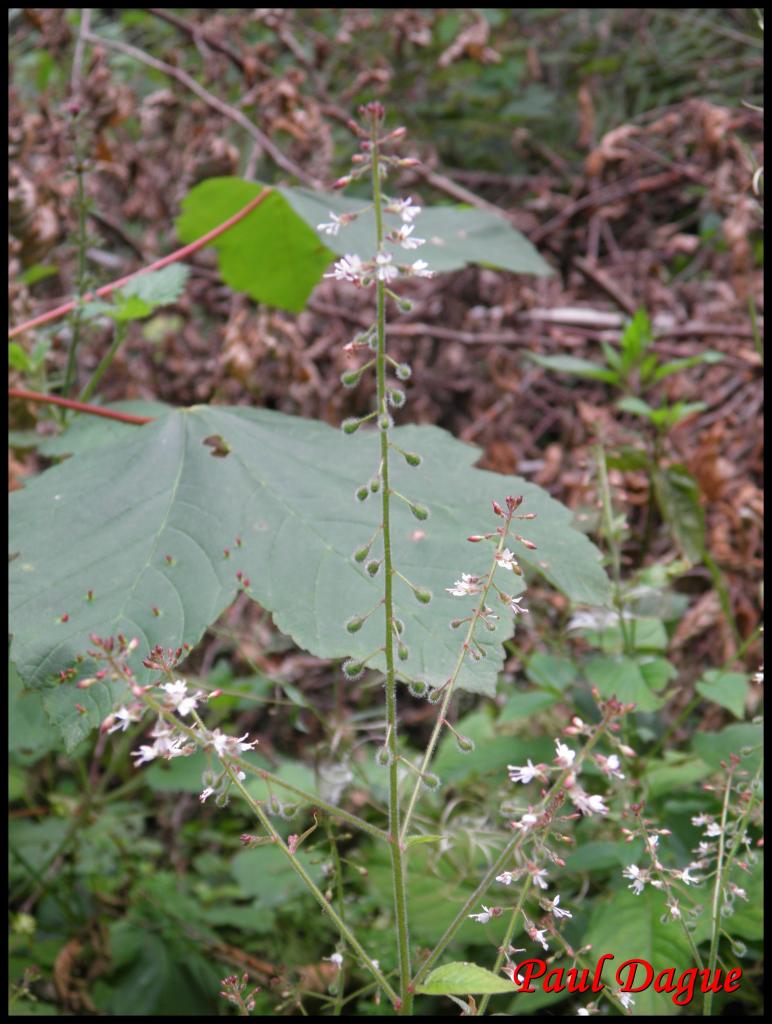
[
  {"x": 350, "y": 378},
  {"x": 395, "y": 397},
  {"x": 435, "y": 696},
  {"x": 413, "y": 458},
  {"x": 349, "y": 426},
  {"x": 372, "y": 567},
  {"x": 222, "y": 800},
  {"x": 403, "y": 372},
  {"x": 375, "y": 484},
  {"x": 420, "y": 512},
  {"x": 355, "y": 623},
  {"x": 430, "y": 780},
  {"x": 402, "y": 652},
  {"x": 399, "y": 626},
  {"x": 362, "y": 493},
  {"x": 383, "y": 757},
  {"x": 465, "y": 744},
  {"x": 353, "y": 669},
  {"x": 385, "y": 422},
  {"x": 405, "y": 305},
  {"x": 422, "y": 595},
  {"x": 361, "y": 553},
  {"x": 417, "y": 687}
]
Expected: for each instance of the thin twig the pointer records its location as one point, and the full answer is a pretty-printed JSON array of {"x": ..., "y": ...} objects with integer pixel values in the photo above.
[{"x": 70, "y": 403}]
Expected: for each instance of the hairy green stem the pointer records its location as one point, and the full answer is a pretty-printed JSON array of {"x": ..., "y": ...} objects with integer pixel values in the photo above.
[
  {"x": 506, "y": 942},
  {"x": 397, "y": 859},
  {"x": 715, "y": 909}
]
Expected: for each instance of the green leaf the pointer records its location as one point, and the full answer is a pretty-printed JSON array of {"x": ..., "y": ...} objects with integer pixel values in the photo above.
[
  {"x": 667, "y": 416},
  {"x": 461, "y": 979},
  {"x": 621, "y": 677},
  {"x": 454, "y": 235},
  {"x": 684, "y": 364},
  {"x": 272, "y": 254},
  {"x": 675, "y": 771},
  {"x": 635, "y": 406},
  {"x": 281, "y": 504},
  {"x": 630, "y": 928},
  {"x": 86, "y": 431},
  {"x": 575, "y": 366},
  {"x": 277, "y": 255},
  {"x": 18, "y": 359},
  {"x": 678, "y": 497},
  {"x": 420, "y": 840},
  {"x": 742, "y": 739},
  {"x": 635, "y": 340},
  {"x": 550, "y": 671},
  {"x": 158, "y": 287},
  {"x": 729, "y": 689}
]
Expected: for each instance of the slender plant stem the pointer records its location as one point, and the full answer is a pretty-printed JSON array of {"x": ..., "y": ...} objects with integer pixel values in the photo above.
[
  {"x": 70, "y": 403},
  {"x": 507, "y": 941},
  {"x": 81, "y": 205},
  {"x": 178, "y": 254},
  {"x": 715, "y": 909},
  {"x": 434, "y": 738},
  {"x": 318, "y": 895},
  {"x": 397, "y": 860},
  {"x": 121, "y": 330},
  {"x": 502, "y": 859}
]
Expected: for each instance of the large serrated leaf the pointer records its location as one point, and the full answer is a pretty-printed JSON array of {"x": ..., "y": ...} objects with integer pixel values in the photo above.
[
  {"x": 144, "y": 523},
  {"x": 277, "y": 254}
]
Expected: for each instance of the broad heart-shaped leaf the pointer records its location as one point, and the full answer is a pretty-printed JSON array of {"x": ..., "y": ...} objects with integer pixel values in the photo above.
[
  {"x": 277, "y": 254},
  {"x": 163, "y": 534},
  {"x": 461, "y": 979}
]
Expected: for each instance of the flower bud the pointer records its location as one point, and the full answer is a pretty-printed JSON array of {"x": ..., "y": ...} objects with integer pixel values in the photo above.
[
  {"x": 413, "y": 458},
  {"x": 350, "y": 378},
  {"x": 422, "y": 595},
  {"x": 355, "y": 623},
  {"x": 420, "y": 512},
  {"x": 342, "y": 182},
  {"x": 349, "y": 426},
  {"x": 430, "y": 780},
  {"x": 402, "y": 652},
  {"x": 514, "y": 503},
  {"x": 464, "y": 744},
  {"x": 496, "y": 507}
]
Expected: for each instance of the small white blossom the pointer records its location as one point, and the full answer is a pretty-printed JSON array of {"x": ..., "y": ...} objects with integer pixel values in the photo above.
[
  {"x": 336, "y": 959},
  {"x": 609, "y": 765},
  {"x": 735, "y": 890},
  {"x": 506, "y": 878},
  {"x": 124, "y": 717},
  {"x": 565, "y": 756},
  {"x": 403, "y": 237},
  {"x": 348, "y": 268},
  {"x": 466, "y": 585},
  {"x": 638, "y": 878},
  {"x": 702, "y": 819},
  {"x": 420, "y": 268},
  {"x": 537, "y": 934},
  {"x": 229, "y": 746},
  {"x": 482, "y": 918},
  {"x": 523, "y": 773},
  {"x": 587, "y": 804},
  {"x": 404, "y": 208},
  {"x": 626, "y": 1000},
  {"x": 384, "y": 268},
  {"x": 556, "y": 910},
  {"x": 689, "y": 879},
  {"x": 538, "y": 877},
  {"x": 525, "y": 822},
  {"x": 516, "y": 607},
  {"x": 673, "y": 907},
  {"x": 335, "y": 224},
  {"x": 582, "y": 1012},
  {"x": 178, "y": 699},
  {"x": 506, "y": 559},
  {"x": 713, "y": 830},
  {"x": 205, "y": 794}
]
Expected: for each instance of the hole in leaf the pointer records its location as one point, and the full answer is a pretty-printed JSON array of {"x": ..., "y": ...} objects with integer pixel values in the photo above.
[{"x": 219, "y": 446}]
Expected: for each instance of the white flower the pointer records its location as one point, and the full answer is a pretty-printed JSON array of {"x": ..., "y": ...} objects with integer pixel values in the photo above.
[
  {"x": 384, "y": 268},
  {"x": 556, "y": 910},
  {"x": 177, "y": 698},
  {"x": 625, "y": 999},
  {"x": 124, "y": 717},
  {"x": 404, "y": 208},
  {"x": 205, "y": 794},
  {"x": 688, "y": 879},
  {"x": 402, "y": 237},
  {"x": 506, "y": 878},
  {"x": 588, "y": 804},
  {"x": 516, "y": 607},
  {"x": 420, "y": 268},
  {"x": 336, "y": 223},
  {"x": 525, "y": 822},
  {"x": 144, "y": 754},
  {"x": 582, "y": 1012},
  {"x": 336, "y": 959},
  {"x": 735, "y": 890},
  {"x": 537, "y": 934},
  {"x": 348, "y": 268},
  {"x": 466, "y": 585},
  {"x": 702, "y": 819},
  {"x": 609, "y": 765},
  {"x": 565, "y": 756},
  {"x": 228, "y": 745},
  {"x": 672, "y": 906},
  {"x": 483, "y": 918},
  {"x": 523, "y": 773},
  {"x": 633, "y": 872},
  {"x": 506, "y": 559},
  {"x": 713, "y": 829},
  {"x": 538, "y": 877}
]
